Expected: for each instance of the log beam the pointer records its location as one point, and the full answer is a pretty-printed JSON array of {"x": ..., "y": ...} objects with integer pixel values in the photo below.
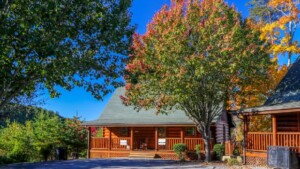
[
  {"x": 89, "y": 142},
  {"x": 131, "y": 138},
  {"x": 156, "y": 138},
  {"x": 109, "y": 140},
  {"x": 274, "y": 129},
  {"x": 181, "y": 135}
]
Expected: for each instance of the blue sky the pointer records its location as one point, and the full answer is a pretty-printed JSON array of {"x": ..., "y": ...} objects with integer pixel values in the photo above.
[{"x": 81, "y": 102}]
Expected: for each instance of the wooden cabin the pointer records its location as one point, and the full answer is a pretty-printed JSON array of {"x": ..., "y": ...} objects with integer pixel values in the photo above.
[
  {"x": 284, "y": 108},
  {"x": 128, "y": 133}
]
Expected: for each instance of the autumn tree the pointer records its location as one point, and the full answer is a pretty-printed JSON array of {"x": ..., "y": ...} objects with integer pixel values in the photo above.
[
  {"x": 66, "y": 43},
  {"x": 261, "y": 12},
  {"x": 279, "y": 28},
  {"x": 194, "y": 56}
]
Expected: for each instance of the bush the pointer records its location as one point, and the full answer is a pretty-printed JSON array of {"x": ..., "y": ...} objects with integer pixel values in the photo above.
[
  {"x": 5, "y": 160},
  {"x": 232, "y": 161},
  {"x": 236, "y": 151},
  {"x": 179, "y": 150},
  {"x": 197, "y": 149},
  {"x": 219, "y": 149}
]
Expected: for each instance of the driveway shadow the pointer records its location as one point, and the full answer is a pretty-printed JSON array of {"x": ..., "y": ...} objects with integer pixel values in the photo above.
[{"x": 103, "y": 163}]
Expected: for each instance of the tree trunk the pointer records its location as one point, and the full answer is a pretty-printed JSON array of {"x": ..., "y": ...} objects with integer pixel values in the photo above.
[
  {"x": 207, "y": 149},
  {"x": 205, "y": 133}
]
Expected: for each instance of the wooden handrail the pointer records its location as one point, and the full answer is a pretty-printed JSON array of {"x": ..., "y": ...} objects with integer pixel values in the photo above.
[
  {"x": 259, "y": 141},
  {"x": 254, "y": 132}
]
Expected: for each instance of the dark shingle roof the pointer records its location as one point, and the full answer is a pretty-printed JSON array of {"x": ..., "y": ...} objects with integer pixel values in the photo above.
[
  {"x": 286, "y": 94},
  {"x": 117, "y": 114},
  {"x": 288, "y": 90}
]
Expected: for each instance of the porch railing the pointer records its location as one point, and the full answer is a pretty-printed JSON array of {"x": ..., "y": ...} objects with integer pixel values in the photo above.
[
  {"x": 259, "y": 141},
  {"x": 123, "y": 143},
  {"x": 190, "y": 143},
  {"x": 103, "y": 143},
  {"x": 116, "y": 143},
  {"x": 169, "y": 143},
  {"x": 99, "y": 143}
]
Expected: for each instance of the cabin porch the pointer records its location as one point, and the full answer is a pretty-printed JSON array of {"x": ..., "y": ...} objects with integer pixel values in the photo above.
[
  {"x": 158, "y": 141},
  {"x": 285, "y": 132}
]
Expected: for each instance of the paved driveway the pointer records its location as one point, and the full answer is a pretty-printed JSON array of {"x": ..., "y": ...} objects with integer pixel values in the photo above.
[{"x": 105, "y": 163}]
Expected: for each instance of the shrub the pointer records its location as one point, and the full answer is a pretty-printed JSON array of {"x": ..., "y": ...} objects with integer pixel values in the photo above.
[
  {"x": 232, "y": 161},
  {"x": 219, "y": 149},
  {"x": 179, "y": 150},
  {"x": 236, "y": 151},
  {"x": 198, "y": 148}
]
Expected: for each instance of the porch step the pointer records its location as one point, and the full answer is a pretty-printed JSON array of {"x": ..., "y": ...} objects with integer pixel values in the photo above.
[{"x": 141, "y": 155}]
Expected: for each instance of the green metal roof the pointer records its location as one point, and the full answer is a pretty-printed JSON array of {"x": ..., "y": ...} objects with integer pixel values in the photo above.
[
  {"x": 117, "y": 114},
  {"x": 286, "y": 94}
]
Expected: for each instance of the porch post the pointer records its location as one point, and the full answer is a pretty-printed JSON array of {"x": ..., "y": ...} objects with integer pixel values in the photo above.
[
  {"x": 274, "y": 129},
  {"x": 156, "y": 138},
  {"x": 181, "y": 135},
  {"x": 299, "y": 122},
  {"x": 245, "y": 137},
  {"x": 109, "y": 141},
  {"x": 89, "y": 142},
  {"x": 131, "y": 138}
]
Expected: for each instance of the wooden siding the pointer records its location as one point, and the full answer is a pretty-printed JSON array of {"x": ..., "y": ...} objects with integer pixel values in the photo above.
[
  {"x": 222, "y": 128},
  {"x": 288, "y": 122},
  {"x": 222, "y": 132}
]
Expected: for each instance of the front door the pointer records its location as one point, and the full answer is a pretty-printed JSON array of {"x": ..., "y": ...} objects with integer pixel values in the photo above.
[{"x": 144, "y": 138}]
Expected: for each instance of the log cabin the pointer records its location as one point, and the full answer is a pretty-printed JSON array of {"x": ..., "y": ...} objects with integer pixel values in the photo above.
[
  {"x": 125, "y": 132},
  {"x": 283, "y": 107}
]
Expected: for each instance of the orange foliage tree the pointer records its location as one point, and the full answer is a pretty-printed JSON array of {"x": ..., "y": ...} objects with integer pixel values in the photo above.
[
  {"x": 280, "y": 33},
  {"x": 193, "y": 57}
]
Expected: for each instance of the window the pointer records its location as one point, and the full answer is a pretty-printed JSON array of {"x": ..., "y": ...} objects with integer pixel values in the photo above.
[
  {"x": 124, "y": 131},
  {"x": 96, "y": 132},
  {"x": 190, "y": 131},
  {"x": 161, "y": 132}
]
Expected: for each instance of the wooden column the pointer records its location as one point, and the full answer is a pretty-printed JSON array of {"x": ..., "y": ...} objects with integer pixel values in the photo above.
[
  {"x": 156, "y": 138},
  {"x": 274, "y": 129},
  {"x": 299, "y": 122},
  {"x": 109, "y": 140},
  {"x": 89, "y": 142},
  {"x": 245, "y": 119},
  {"x": 131, "y": 138},
  {"x": 181, "y": 135}
]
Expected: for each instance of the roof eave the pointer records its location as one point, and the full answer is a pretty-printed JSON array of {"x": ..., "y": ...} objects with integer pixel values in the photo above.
[{"x": 274, "y": 111}]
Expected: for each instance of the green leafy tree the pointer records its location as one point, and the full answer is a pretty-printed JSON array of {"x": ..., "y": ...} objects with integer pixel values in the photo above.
[
  {"x": 75, "y": 136},
  {"x": 16, "y": 142},
  {"x": 48, "y": 133},
  {"x": 66, "y": 43},
  {"x": 193, "y": 57}
]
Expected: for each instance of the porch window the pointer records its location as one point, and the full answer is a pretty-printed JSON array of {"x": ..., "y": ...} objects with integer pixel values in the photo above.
[
  {"x": 124, "y": 131},
  {"x": 190, "y": 131},
  {"x": 96, "y": 132},
  {"x": 162, "y": 132}
]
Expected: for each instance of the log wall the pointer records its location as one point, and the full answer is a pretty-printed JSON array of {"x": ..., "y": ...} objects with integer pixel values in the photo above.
[{"x": 288, "y": 122}]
